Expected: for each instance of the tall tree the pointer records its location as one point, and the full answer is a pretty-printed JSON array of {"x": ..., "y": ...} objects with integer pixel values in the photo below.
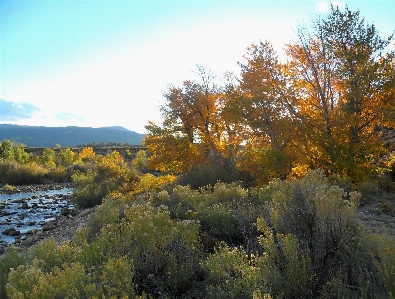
[
  {"x": 194, "y": 126},
  {"x": 264, "y": 98},
  {"x": 340, "y": 74}
]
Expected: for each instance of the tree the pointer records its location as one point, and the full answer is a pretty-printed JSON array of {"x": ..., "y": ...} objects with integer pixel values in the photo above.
[
  {"x": 66, "y": 157},
  {"x": 264, "y": 99},
  {"x": 193, "y": 129},
  {"x": 341, "y": 79},
  {"x": 263, "y": 90},
  {"x": 6, "y": 150},
  {"x": 48, "y": 158},
  {"x": 20, "y": 155}
]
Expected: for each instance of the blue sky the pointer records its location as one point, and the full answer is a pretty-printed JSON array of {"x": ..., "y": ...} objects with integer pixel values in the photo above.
[{"x": 107, "y": 63}]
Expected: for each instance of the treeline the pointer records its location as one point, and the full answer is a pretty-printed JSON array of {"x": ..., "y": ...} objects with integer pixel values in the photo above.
[
  {"x": 18, "y": 167},
  {"x": 104, "y": 144},
  {"x": 323, "y": 106}
]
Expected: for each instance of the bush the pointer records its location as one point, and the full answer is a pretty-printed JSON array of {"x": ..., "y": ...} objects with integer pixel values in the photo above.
[
  {"x": 137, "y": 249},
  {"x": 369, "y": 192},
  {"x": 11, "y": 172},
  {"x": 109, "y": 175},
  {"x": 313, "y": 244},
  {"x": 165, "y": 253},
  {"x": 87, "y": 192},
  {"x": 231, "y": 274},
  {"x": 109, "y": 212},
  {"x": 216, "y": 169},
  {"x": 12, "y": 259}
]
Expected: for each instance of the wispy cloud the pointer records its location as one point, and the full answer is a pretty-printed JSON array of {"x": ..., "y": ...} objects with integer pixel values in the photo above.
[
  {"x": 325, "y": 6},
  {"x": 12, "y": 111}
]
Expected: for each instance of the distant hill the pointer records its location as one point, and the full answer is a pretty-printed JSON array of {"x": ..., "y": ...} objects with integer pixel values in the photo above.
[{"x": 33, "y": 136}]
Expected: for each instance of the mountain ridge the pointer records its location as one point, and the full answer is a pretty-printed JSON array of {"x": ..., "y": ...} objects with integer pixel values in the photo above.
[{"x": 41, "y": 136}]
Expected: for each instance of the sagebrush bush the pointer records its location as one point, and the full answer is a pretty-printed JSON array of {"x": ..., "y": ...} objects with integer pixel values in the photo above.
[
  {"x": 216, "y": 169},
  {"x": 369, "y": 191},
  {"x": 87, "y": 193},
  {"x": 11, "y": 260},
  {"x": 108, "y": 175},
  {"x": 232, "y": 274},
  {"x": 225, "y": 212},
  {"x": 298, "y": 239},
  {"x": 11, "y": 172},
  {"x": 312, "y": 242},
  {"x": 109, "y": 212},
  {"x": 140, "y": 250}
]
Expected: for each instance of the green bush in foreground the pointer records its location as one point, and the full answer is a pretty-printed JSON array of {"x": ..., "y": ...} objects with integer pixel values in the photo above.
[
  {"x": 297, "y": 239},
  {"x": 110, "y": 174},
  {"x": 143, "y": 252},
  {"x": 14, "y": 173}
]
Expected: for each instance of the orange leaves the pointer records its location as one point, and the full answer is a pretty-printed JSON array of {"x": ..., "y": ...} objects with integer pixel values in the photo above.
[
  {"x": 320, "y": 108},
  {"x": 196, "y": 123}
]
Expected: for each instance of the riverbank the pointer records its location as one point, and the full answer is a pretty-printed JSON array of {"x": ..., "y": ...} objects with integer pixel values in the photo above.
[{"x": 33, "y": 188}]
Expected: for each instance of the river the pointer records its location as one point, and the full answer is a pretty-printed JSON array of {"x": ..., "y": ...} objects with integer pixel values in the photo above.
[{"x": 22, "y": 213}]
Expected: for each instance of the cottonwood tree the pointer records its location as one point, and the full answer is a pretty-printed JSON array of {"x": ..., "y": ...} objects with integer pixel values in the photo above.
[
  {"x": 264, "y": 98},
  {"x": 194, "y": 127},
  {"x": 343, "y": 81}
]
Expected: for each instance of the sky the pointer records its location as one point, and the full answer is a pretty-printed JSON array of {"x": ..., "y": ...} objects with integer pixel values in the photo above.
[{"x": 99, "y": 63}]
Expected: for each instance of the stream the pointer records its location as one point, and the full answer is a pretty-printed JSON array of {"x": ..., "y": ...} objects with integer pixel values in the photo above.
[{"x": 22, "y": 213}]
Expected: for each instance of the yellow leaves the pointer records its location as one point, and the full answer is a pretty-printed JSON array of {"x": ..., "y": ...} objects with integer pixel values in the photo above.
[{"x": 87, "y": 154}]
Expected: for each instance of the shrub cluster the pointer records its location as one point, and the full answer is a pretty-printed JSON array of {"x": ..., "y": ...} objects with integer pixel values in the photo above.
[{"x": 298, "y": 239}]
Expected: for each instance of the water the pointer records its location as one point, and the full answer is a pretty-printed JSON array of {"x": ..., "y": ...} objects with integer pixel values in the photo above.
[{"x": 38, "y": 208}]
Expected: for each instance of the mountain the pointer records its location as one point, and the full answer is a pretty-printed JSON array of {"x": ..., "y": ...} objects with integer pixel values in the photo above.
[{"x": 34, "y": 136}]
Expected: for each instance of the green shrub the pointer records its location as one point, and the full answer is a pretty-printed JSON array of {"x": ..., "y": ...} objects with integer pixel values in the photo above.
[
  {"x": 225, "y": 213},
  {"x": 109, "y": 212},
  {"x": 67, "y": 281},
  {"x": 87, "y": 193},
  {"x": 311, "y": 238},
  {"x": 386, "y": 207},
  {"x": 385, "y": 263},
  {"x": 135, "y": 249},
  {"x": 11, "y": 172},
  {"x": 108, "y": 175},
  {"x": 369, "y": 192},
  {"x": 231, "y": 274},
  {"x": 216, "y": 169},
  {"x": 11, "y": 260},
  {"x": 165, "y": 253}
]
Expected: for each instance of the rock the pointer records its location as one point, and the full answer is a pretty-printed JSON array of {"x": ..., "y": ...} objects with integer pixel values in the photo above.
[
  {"x": 85, "y": 212},
  {"x": 64, "y": 211},
  {"x": 25, "y": 205},
  {"x": 28, "y": 241},
  {"x": 48, "y": 226},
  {"x": 31, "y": 231},
  {"x": 11, "y": 232},
  {"x": 17, "y": 201}
]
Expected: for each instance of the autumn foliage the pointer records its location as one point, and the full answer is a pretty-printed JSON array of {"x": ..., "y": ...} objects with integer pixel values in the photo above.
[{"x": 321, "y": 107}]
